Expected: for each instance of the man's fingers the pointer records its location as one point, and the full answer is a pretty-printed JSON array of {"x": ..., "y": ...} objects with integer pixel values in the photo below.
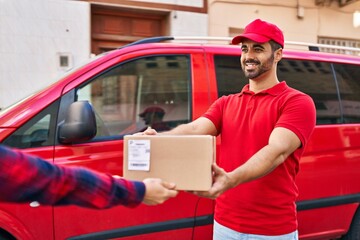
[
  {"x": 205, "y": 194},
  {"x": 169, "y": 185},
  {"x": 216, "y": 169},
  {"x": 150, "y": 131}
]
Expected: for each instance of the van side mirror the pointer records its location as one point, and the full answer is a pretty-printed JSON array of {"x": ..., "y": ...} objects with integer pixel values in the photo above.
[{"x": 79, "y": 124}]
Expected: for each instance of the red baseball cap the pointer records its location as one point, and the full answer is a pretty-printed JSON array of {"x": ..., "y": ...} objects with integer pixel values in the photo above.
[{"x": 261, "y": 32}]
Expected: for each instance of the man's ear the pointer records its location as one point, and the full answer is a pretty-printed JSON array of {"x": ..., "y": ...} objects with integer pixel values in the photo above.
[{"x": 278, "y": 55}]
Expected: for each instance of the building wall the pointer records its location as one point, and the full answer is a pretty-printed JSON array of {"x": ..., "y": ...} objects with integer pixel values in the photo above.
[
  {"x": 190, "y": 3},
  {"x": 188, "y": 24},
  {"x": 33, "y": 34},
  {"x": 327, "y": 20},
  {"x": 184, "y": 22}
]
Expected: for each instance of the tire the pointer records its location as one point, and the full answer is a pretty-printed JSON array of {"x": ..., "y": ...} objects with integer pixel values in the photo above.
[{"x": 354, "y": 231}]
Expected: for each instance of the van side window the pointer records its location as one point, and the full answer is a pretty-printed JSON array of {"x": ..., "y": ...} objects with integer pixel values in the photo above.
[
  {"x": 348, "y": 77},
  {"x": 314, "y": 78},
  {"x": 152, "y": 91},
  {"x": 38, "y": 132},
  {"x": 229, "y": 76}
]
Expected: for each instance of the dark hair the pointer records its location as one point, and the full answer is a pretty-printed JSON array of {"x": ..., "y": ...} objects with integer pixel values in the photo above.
[{"x": 274, "y": 45}]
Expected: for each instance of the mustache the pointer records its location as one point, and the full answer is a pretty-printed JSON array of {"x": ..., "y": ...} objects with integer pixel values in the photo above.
[{"x": 252, "y": 61}]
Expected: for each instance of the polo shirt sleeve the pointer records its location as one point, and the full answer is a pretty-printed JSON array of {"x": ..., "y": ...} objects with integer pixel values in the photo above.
[
  {"x": 299, "y": 116},
  {"x": 214, "y": 113}
]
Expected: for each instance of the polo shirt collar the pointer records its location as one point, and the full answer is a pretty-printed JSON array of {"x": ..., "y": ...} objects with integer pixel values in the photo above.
[{"x": 275, "y": 90}]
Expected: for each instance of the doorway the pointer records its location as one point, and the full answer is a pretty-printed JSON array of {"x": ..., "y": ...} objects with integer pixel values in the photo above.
[{"x": 114, "y": 27}]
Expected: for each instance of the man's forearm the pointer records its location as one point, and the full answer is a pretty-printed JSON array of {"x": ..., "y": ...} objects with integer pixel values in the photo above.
[
  {"x": 183, "y": 129},
  {"x": 282, "y": 143},
  {"x": 200, "y": 126},
  {"x": 259, "y": 165}
]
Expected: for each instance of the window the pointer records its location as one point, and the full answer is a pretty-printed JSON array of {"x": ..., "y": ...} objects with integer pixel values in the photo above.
[
  {"x": 341, "y": 43},
  {"x": 348, "y": 77},
  {"x": 229, "y": 76},
  {"x": 152, "y": 91},
  {"x": 38, "y": 132},
  {"x": 314, "y": 78}
]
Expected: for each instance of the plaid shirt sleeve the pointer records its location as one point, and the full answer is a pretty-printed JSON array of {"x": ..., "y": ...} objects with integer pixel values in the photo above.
[{"x": 26, "y": 178}]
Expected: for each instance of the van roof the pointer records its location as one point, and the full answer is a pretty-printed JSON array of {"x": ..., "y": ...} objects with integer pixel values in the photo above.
[{"x": 227, "y": 40}]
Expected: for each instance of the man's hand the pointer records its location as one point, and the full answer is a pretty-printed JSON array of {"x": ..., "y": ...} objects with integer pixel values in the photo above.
[
  {"x": 158, "y": 191},
  {"x": 148, "y": 131},
  {"x": 221, "y": 182}
]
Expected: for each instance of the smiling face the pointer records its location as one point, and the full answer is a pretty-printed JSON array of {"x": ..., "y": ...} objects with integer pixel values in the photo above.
[{"x": 257, "y": 59}]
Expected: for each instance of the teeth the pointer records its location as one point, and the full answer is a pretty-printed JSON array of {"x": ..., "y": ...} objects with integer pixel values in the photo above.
[{"x": 251, "y": 64}]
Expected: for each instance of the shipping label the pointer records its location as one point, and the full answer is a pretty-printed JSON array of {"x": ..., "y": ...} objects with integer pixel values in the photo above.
[{"x": 139, "y": 155}]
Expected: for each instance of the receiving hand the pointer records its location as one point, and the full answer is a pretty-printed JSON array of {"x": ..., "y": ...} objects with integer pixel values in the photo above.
[
  {"x": 158, "y": 191},
  {"x": 221, "y": 183}
]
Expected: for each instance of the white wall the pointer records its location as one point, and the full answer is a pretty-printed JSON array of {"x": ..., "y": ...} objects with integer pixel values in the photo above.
[
  {"x": 190, "y": 3},
  {"x": 188, "y": 24},
  {"x": 32, "y": 35}
]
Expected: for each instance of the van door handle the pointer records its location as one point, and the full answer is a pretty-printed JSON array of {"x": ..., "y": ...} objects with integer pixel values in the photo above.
[{"x": 34, "y": 204}]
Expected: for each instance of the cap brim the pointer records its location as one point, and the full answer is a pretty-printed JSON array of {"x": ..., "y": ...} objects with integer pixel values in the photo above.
[{"x": 252, "y": 36}]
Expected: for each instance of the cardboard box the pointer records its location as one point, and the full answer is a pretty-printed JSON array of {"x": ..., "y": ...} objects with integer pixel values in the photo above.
[{"x": 183, "y": 159}]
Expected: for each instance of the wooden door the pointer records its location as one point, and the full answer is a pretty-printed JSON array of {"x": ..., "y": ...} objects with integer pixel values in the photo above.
[{"x": 114, "y": 27}]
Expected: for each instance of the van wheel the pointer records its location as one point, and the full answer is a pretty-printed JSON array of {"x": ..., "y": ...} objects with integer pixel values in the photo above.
[{"x": 354, "y": 231}]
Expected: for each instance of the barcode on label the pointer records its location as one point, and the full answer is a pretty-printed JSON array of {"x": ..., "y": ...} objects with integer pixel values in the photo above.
[{"x": 138, "y": 164}]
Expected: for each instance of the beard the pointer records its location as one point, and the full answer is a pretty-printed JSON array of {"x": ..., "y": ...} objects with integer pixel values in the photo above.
[{"x": 260, "y": 69}]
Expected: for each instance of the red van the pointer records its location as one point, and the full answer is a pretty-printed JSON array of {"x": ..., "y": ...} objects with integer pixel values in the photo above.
[{"x": 182, "y": 80}]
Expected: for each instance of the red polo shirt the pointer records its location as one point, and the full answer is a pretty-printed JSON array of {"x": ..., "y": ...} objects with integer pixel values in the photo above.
[{"x": 264, "y": 206}]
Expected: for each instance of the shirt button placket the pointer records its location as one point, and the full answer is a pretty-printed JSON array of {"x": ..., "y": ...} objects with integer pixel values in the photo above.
[{"x": 250, "y": 104}]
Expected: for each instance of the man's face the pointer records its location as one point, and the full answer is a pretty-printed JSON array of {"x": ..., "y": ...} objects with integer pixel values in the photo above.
[{"x": 256, "y": 58}]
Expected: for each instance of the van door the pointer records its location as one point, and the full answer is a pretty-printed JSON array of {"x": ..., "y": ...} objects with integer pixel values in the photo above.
[
  {"x": 327, "y": 194},
  {"x": 36, "y": 137},
  {"x": 328, "y": 177},
  {"x": 148, "y": 90}
]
